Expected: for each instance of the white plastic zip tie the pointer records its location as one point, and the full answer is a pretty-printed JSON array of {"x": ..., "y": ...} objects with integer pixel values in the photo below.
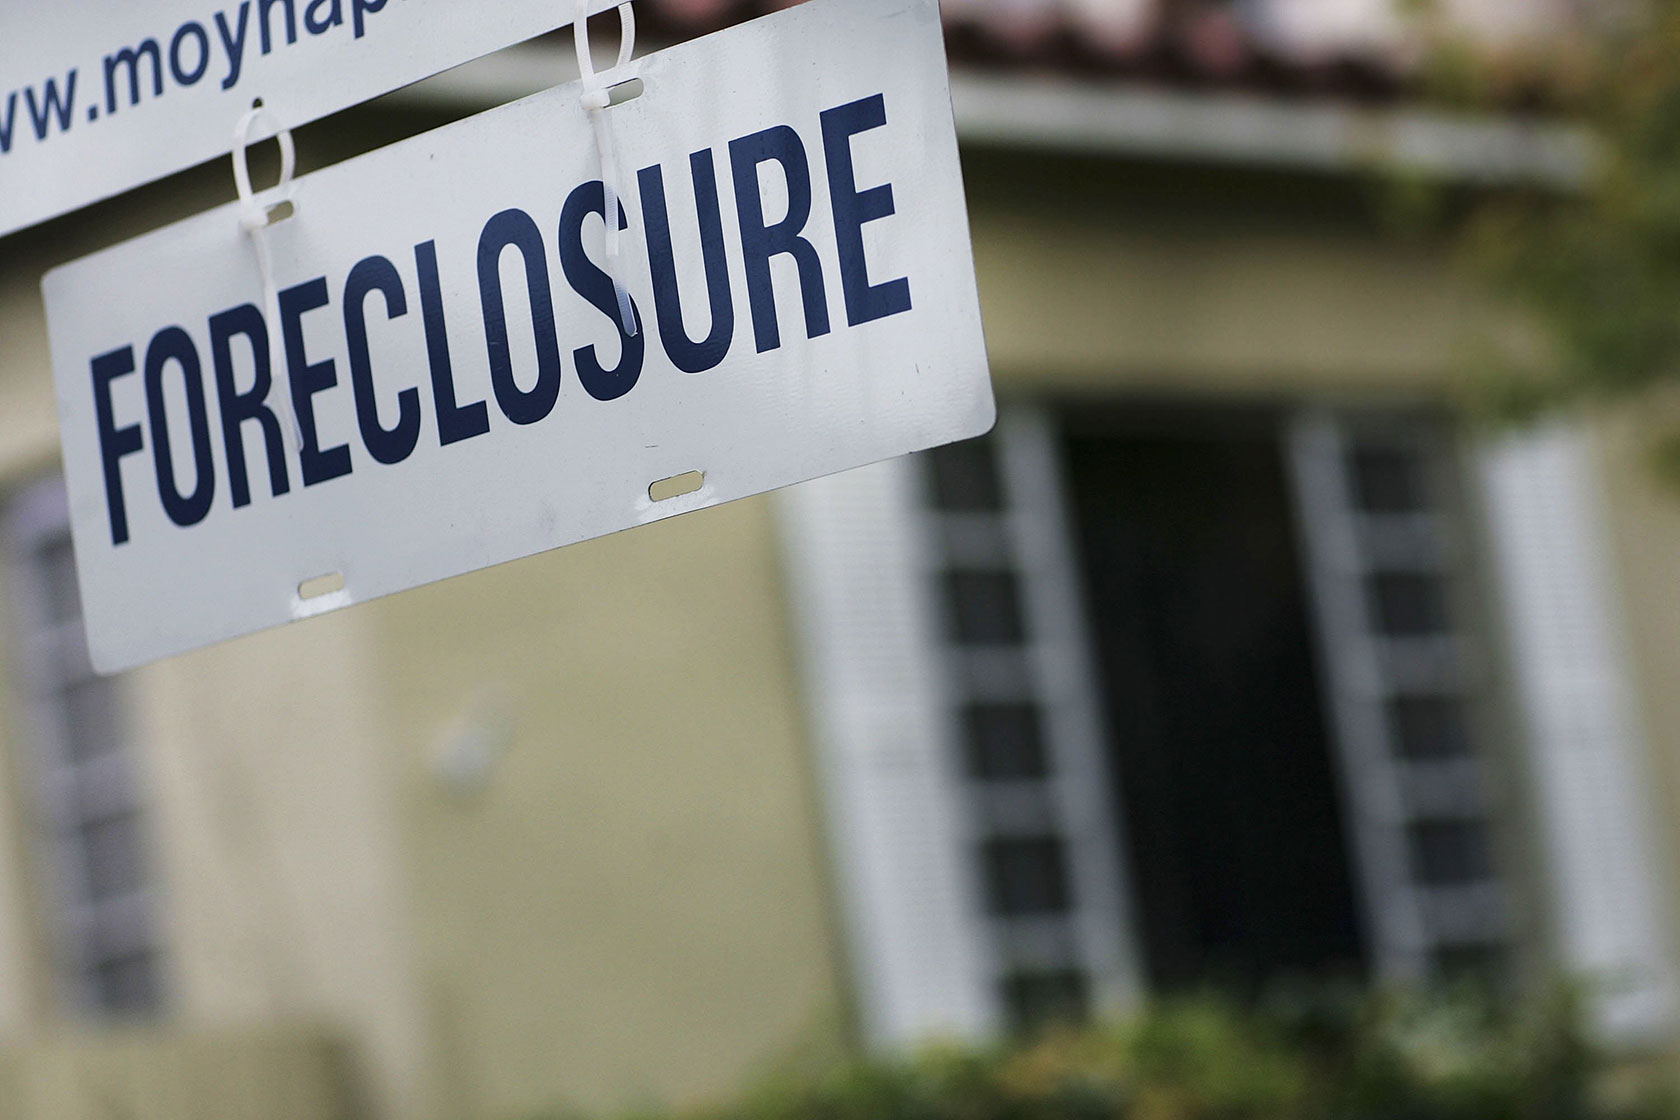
[
  {"x": 253, "y": 219},
  {"x": 597, "y": 98}
]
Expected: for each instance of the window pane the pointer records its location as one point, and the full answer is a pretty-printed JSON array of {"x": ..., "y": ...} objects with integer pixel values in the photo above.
[
  {"x": 1409, "y": 604},
  {"x": 1038, "y": 999},
  {"x": 56, "y": 561},
  {"x": 965, "y": 477},
  {"x": 1429, "y": 726},
  {"x": 125, "y": 984},
  {"x": 1005, "y": 741},
  {"x": 1026, "y": 875},
  {"x": 1389, "y": 480},
  {"x": 111, "y": 849},
  {"x": 985, "y": 607},
  {"x": 1450, "y": 853},
  {"x": 92, "y": 724}
]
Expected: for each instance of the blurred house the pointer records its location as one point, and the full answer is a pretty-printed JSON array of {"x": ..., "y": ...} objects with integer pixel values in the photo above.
[{"x": 1230, "y": 658}]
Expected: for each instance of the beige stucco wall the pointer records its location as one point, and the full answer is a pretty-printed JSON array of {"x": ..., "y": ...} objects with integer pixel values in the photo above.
[
  {"x": 631, "y": 907},
  {"x": 21, "y": 969},
  {"x": 274, "y": 817},
  {"x": 1643, "y": 512},
  {"x": 1109, "y": 293}
]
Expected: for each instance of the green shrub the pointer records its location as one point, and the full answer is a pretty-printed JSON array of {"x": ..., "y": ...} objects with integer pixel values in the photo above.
[{"x": 1313, "y": 1057}]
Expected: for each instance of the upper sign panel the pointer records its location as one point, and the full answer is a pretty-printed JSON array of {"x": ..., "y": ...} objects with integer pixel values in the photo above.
[{"x": 98, "y": 96}]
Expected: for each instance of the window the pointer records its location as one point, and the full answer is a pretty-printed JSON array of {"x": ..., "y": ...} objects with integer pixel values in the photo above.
[
  {"x": 1119, "y": 699},
  {"x": 1005, "y": 742},
  {"x": 1022, "y": 724},
  {"x": 1221, "y": 763},
  {"x": 1407, "y": 681},
  {"x": 91, "y": 824},
  {"x": 1026, "y": 875},
  {"x": 1425, "y": 727}
]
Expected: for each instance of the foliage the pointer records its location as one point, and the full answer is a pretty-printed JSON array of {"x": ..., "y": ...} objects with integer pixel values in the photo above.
[
  {"x": 1312, "y": 1058},
  {"x": 1595, "y": 274}
]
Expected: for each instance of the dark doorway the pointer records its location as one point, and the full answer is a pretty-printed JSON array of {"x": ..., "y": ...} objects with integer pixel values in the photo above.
[{"x": 1231, "y": 819}]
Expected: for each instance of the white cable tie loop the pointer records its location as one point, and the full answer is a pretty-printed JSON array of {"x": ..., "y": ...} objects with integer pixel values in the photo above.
[
  {"x": 627, "y": 36},
  {"x": 580, "y": 40},
  {"x": 253, "y": 216},
  {"x": 253, "y": 219},
  {"x": 596, "y": 99}
]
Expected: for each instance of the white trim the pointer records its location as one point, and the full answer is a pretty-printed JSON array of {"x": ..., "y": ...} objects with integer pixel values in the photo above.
[
  {"x": 1416, "y": 925},
  {"x": 907, "y": 886},
  {"x": 1075, "y": 735},
  {"x": 1586, "y": 749},
  {"x": 1126, "y": 118},
  {"x": 1354, "y": 683},
  {"x": 1117, "y": 118},
  {"x": 868, "y": 552}
]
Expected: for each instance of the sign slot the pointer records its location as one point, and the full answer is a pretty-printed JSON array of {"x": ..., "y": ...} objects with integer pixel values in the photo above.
[
  {"x": 625, "y": 91},
  {"x": 318, "y": 586},
  {"x": 676, "y": 486}
]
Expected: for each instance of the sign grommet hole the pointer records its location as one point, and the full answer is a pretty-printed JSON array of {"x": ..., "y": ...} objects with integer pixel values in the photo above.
[
  {"x": 676, "y": 486},
  {"x": 321, "y": 585},
  {"x": 625, "y": 91},
  {"x": 280, "y": 211}
]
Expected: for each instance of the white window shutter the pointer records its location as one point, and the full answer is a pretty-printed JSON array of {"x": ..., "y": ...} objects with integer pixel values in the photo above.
[
  {"x": 1585, "y": 747},
  {"x": 888, "y": 776}
]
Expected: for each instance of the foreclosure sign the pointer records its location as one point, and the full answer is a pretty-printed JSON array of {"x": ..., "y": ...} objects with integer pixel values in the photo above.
[
  {"x": 98, "y": 96},
  {"x": 454, "y": 387}
]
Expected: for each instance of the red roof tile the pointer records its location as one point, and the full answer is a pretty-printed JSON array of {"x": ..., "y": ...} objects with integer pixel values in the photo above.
[{"x": 1357, "y": 48}]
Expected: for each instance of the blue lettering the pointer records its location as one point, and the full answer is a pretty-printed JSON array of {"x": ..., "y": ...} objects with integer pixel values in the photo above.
[
  {"x": 131, "y": 57},
  {"x": 307, "y": 380},
  {"x": 360, "y": 9},
  {"x": 181, "y": 74},
  {"x": 315, "y": 25},
  {"x": 854, "y": 208},
  {"x": 51, "y": 105},
  {"x": 760, "y": 243},
  {"x": 233, "y": 42},
  {"x": 238, "y": 408},
  {"x": 7, "y": 119},
  {"x": 594, "y": 285},
  {"x": 515, "y": 228},
  {"x": 114, "y": 442},
  {"x": 454, "y": 422},
  {"x": 266, "y": 6},
  {"x": 174, "y": 345},
  {"x": 386, "y": 445},
  {"x": 686, "y": 354}
]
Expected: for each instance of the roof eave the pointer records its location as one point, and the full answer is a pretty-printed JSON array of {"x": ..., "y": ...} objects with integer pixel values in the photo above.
[
  {"x": 1120, "y": 118},
  {"x": 1046, "y": 112}
]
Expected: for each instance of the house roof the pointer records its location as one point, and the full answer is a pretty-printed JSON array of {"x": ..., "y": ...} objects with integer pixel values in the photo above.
[{"x": 1361, "y": 49}]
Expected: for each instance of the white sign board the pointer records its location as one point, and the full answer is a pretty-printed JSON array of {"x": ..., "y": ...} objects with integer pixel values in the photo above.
[
  {"x": 796, "y": 243},
  {"x": 98, "y": 96}
]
